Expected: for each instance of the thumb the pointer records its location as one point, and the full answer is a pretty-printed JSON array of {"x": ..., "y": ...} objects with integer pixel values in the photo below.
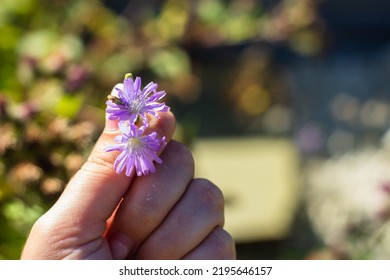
[{"x": 96, "y": 189}]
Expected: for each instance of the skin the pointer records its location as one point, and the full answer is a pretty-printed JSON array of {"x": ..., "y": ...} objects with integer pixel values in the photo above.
[{"x": 164, "y": 215}]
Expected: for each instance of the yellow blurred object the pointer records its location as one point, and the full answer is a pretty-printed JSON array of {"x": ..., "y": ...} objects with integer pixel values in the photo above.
[
  {"x": 259, "y": 179},
  {"x": 254, "y": 100}
]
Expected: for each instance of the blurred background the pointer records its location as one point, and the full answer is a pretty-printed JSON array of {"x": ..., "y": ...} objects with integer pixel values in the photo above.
[{"x": 285, "y": 103}]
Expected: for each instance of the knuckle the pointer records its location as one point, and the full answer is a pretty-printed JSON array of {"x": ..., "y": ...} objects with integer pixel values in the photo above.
[
  {"x": 45, "y": 229},
  {"x": 156, "y": 249},
  {"x": 208, "y": 193},
  {"x": 43, "y": 225},
  {"x": 144, "y": 217},
  {"x": 99, "y": 162},
  {"x": 181, "y": 155}
]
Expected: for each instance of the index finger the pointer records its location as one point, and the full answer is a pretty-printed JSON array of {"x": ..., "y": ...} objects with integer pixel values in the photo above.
[{"x": 96, "y": 189}]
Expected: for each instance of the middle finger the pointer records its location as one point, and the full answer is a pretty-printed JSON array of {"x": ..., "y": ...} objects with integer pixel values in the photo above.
[{"x": 150, "y": 198}]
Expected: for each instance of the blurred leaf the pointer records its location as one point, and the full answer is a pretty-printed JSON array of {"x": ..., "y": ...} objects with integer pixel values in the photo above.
[
  {"x": 211, "y": 11},
  {"x": 306, "y": 42},
  {"x": 9, "y": 37},
  {"x": 16, "y": 6},
  {"x": 69, "y": 106},
  {"x": 21, "y": 215},
  {"x": 38, "y": 44},
  {"x": 172, "y": 22},
  {"x": 46, "y": 94},
  {"x": 71, "y": 46},
  {"x": 240, "y": 27},
  {"x": 170, "y": 63},
  {"x": 116, "y": 65}
]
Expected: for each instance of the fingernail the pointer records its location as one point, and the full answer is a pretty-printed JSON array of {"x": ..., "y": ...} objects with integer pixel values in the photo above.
[
  {"x": 111, "y": 125},
  {"x": 120, "y": 245}
]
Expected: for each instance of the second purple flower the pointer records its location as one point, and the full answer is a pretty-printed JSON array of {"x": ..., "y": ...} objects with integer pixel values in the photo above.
[{"x": 138, "y": 151}]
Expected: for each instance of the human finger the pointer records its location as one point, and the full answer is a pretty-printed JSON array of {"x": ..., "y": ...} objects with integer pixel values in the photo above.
[
  {"x": 96, "y": 189},
  {"x": 218, "y": 245},
  {"x": 198, "y": 212},
  {"x": 150, "y": 199}
]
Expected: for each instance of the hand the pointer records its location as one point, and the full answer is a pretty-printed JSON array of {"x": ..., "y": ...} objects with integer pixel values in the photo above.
[{"x": 164, "y": 215}]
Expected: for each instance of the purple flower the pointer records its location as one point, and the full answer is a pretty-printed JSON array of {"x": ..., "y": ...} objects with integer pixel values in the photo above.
[
  {"x": 133, "y": 103},
  {"x": 138, "y": 151}
]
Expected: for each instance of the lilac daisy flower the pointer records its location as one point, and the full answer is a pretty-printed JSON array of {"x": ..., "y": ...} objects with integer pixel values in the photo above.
[
  {"x": 133, "y": 103},
  {"x": 138, "y": 151}
]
